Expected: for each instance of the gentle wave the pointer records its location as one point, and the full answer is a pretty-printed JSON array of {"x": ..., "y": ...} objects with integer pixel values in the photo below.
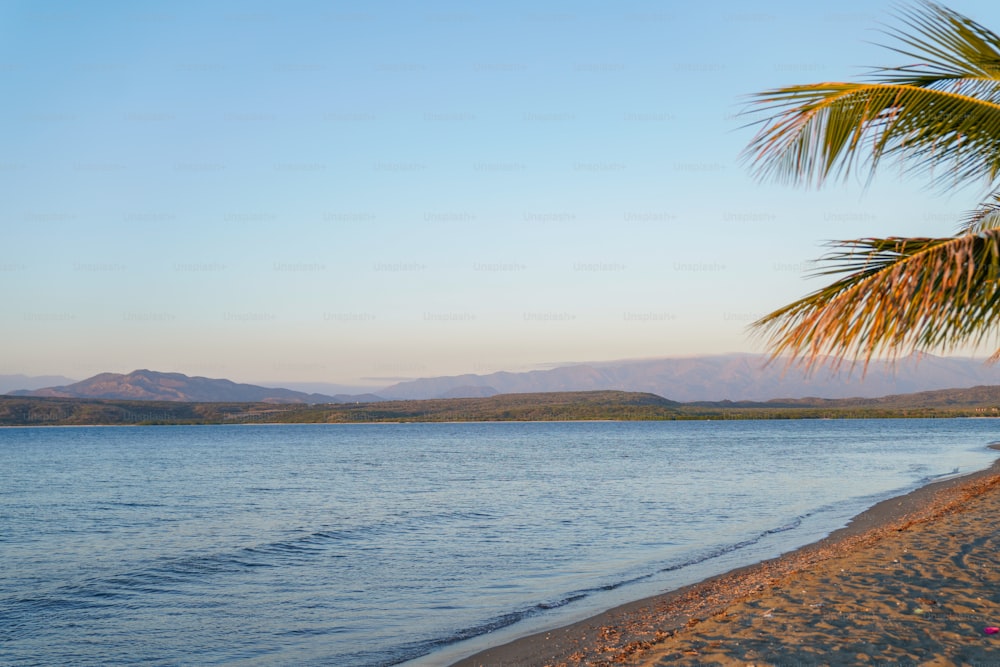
[
  {"x": 346, "y": 545},
  {"x": 168, "y": 575},
  {"x": 510, "y": 618}
]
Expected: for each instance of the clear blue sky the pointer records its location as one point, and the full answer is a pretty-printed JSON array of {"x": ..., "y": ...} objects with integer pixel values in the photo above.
[{"x": 361, "y": 192}]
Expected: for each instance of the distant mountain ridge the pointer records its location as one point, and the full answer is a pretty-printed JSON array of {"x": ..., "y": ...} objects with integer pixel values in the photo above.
[
  {"x": 735, "y": 377},
  {"x": 146, "y": 385},
  {"x": 21, "y": 382}
]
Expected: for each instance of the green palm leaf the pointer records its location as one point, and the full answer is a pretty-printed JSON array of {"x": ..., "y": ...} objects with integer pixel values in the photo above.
[
  {"x": 825, "y": 129},
  {"x": 952, "y": 52},
  {"x": 942, "y": 112},
  {"x": 939, "y": 116}
]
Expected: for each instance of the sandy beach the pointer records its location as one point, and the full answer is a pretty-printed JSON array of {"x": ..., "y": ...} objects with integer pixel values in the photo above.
[{"x": 914, "y": 580}]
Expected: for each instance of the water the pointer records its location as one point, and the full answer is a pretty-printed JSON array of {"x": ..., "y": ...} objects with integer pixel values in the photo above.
[{"x": 377, "y": 544}]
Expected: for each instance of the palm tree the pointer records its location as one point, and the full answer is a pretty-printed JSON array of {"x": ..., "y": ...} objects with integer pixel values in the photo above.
[{"x": 939, "y": 117}]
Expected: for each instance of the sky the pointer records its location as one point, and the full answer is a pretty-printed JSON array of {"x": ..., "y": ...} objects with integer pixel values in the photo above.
[{"x": 360, "y": 193}]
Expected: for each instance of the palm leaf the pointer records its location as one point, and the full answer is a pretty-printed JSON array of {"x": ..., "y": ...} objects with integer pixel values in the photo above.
[
  {"x": 953, "y": 52},
  {"x": 899, "y": 295},
  {"x": 831, "y": 128},
  {"x": 938, "y": 115},
  {"x": 943, "y": 111},
  {"x": 986, "y": 216}
]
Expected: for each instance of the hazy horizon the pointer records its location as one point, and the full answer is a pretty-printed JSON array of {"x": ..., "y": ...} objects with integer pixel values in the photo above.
[{"x": 348, "y": 194}]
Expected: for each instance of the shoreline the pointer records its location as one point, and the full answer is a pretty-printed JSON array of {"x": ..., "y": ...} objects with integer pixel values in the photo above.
[{"x": 689, "y": 623}]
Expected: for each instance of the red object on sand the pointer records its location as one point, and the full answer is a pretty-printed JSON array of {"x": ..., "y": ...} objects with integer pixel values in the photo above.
[{"x": 992, "y": 630}]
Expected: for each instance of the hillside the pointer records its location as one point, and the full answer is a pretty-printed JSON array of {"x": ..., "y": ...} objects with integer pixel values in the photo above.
[
  {"x": 148, "y": 385},
  {"x": 57, "y": 411},
  {"x": 555, "y": 406}
]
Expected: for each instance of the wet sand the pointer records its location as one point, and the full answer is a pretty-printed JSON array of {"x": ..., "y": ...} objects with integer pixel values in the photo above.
[{"x": 914, "y": 580}]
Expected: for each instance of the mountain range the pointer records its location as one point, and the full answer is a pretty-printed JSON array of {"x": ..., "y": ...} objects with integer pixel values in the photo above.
[
  {"x": 736, "y": 377},
  {"x": 146, "y": 385},
  {"x": 27, "y": 382}
]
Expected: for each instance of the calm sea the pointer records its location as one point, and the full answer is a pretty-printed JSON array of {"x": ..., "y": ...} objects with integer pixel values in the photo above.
[{"x": 378, "y": 544}]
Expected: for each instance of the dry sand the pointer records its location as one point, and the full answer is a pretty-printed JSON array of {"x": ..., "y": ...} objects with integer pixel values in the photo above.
[{"x": 913, "y": 581}]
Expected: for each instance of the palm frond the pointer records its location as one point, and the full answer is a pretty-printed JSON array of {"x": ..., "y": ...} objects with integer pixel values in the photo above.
[
  {"x": 831, "y": 128},
  {"x": 899, "y": 295},
  {"x": 986, "y": 216},
  {"x": 953, "y": 53},
  {"x": 939, "y": 116}
]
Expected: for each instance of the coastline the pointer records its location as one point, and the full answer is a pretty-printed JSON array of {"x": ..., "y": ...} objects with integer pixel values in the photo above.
[{"x": 749, "y": 614}]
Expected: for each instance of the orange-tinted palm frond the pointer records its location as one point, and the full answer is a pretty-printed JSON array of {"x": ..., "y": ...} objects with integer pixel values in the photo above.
[{"x": 899, "y": 295}]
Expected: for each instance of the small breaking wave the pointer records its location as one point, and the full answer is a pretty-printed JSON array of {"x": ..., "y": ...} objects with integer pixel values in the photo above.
[
  {"x": 418, "y": 649},
  {"x": 167, "y": 575}
]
